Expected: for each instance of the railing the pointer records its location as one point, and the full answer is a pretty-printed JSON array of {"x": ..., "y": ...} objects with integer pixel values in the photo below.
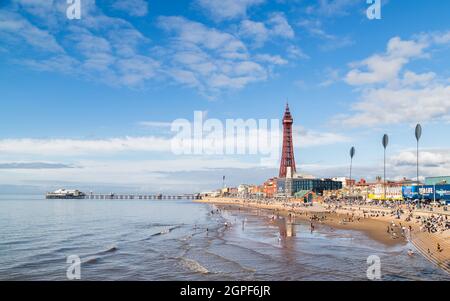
[{"x": 140, "y": 197}]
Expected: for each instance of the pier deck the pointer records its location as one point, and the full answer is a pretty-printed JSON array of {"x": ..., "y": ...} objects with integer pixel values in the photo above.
[{"x": 140, "y": 197}]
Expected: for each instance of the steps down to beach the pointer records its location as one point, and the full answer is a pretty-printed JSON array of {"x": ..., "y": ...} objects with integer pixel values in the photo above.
[{"x": 426, "y": 244}]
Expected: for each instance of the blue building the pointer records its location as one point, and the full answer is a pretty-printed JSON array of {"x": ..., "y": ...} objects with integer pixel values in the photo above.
[
  {"x": 437, "y": 180},
  {"x": 427, "y": 192},
  {"x": 317, "y": 186}
]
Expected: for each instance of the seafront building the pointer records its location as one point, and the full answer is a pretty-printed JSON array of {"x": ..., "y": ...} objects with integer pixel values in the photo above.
[
  {"x": 270, "y": 187},
  {"x": 317, "y": 186},
  {"x": 346, "y": 182},
  {"x": 437, "y": 180}
]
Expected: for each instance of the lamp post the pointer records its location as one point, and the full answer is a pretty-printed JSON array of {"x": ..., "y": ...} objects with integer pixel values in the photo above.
[
  {"x": 352, "y": 154},
  {"x": 385, "y": 144},
  {"x": 418, "y": 135}
]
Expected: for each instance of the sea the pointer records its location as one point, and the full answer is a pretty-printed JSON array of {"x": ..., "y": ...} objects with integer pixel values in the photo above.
[{"x": 182, "y": 240}]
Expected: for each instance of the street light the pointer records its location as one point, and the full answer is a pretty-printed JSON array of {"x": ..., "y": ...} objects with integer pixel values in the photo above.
[
  {"x": 352, "y": 154},
  {"x": 418, "y": 135},
  {"x": 385, "y": 144}
]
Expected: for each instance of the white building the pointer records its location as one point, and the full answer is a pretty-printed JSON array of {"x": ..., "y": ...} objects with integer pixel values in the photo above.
[
  {"x": 243, "y": 189},
  {"x": 393, "y": 192}
]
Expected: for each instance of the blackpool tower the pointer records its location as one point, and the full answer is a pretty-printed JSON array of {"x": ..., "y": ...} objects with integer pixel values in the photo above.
[{"x": 287, "y": 164}]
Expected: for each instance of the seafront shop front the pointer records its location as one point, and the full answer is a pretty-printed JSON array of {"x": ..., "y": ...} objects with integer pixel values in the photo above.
[
  {"x": 422, "y": 193},
  {"x": 427, "y": 193}
]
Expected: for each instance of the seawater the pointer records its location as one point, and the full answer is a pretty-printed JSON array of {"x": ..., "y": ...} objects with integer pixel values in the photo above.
[{"x": 183, "y": 240}]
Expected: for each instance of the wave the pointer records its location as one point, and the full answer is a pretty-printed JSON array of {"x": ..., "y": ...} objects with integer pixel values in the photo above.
[
  {"x": 230, "y": 261},
  {"x": 164, "y": 231},
  {"x": 91, "y": 260},
  {"x": 193, "y": 265},
  {"x": 111, "y": 249},
  {"x": 96, "y": 257}
]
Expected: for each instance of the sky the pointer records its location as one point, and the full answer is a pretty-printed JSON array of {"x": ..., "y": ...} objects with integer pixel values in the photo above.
[{"x": 90, "y": 103}]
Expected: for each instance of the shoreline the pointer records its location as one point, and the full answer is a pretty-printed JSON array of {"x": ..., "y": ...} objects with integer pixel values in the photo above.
[{"x": 372, "y": 221}]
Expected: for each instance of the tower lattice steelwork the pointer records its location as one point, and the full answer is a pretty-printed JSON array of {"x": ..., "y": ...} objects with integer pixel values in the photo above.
[{"x": 287, "y": 156}]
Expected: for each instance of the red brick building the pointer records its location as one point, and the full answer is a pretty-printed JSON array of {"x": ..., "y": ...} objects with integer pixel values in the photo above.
[{"x": 270, "y": 187}]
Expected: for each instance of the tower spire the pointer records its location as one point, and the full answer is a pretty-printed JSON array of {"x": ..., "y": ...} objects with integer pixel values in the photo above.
[{"x": 287, "y": 155}]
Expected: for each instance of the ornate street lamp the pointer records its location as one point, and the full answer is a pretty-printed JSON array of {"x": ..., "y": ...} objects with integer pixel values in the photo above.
[
  {"x": 352, "y": 154},
  {"x": 385, "y": 144},
  {"x": 418, "y": 135}
]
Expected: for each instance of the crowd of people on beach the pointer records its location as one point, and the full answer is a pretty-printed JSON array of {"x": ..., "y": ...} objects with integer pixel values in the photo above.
[
  {"x": 434, "y": 224},
  {"x": 437, "y": 222}
]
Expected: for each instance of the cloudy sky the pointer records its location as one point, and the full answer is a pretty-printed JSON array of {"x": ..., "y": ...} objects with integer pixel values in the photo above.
[{"x": 89, "y": 103}]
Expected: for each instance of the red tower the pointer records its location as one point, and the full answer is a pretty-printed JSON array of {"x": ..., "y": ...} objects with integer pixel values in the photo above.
[{"x": 287, "y": 156}]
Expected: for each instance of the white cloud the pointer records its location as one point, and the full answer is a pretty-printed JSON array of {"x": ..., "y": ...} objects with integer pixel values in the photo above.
[
  {"x": 221, "y": 10},
  {"x": 305, "y": 138},
  {"x": 391, "y": 95},
  {"x": 208, "y": 59},
  {"x": 427, "y": 158},
  {"x": 33, "y": 165},
  {"x": 273, "y": 59},
  {"x": 280, "y": 26},
  {"x": 432, "y": 162},
  {"x": 404, "y": 105},
  {"x": 74, "y": 147},
  {"x": 111, "y": 50},
  {"x": 260, "y": 33},
  {"x": 254, "y": 30},
  {"x": 441, "y": 37},
  {"x": 16, "y": 29},
  {"x": 198, "y": 34},
  {"x": 96, "y": 47},
  {"x": 329, "y": 42},
  {"x": 333, "y": 7},
  {"x": 296, "y": 52},
  {"x": 155, "y": 124},
  {"x": 331, "y": 77},
  {"x": 386, "y": 67},
  {"x": 132, "y": 7},
  {"x": 410, "y": 78}
]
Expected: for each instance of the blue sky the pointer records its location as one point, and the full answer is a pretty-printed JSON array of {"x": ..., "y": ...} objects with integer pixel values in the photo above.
[{"x": 88, "y": 103}]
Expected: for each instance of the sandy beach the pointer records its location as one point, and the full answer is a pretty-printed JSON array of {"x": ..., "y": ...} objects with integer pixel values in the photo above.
[{"x": 373, "y": 221}]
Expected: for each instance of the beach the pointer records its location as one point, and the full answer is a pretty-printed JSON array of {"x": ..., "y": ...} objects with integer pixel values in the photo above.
[{"x": 372, "y": 220}]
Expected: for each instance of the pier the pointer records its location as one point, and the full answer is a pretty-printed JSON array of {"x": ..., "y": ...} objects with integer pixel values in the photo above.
[{"x": 114, "y": 196}]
